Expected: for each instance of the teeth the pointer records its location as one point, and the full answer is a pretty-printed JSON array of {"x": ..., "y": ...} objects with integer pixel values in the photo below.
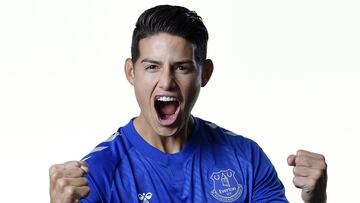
[{"x": 166, "y": 99}]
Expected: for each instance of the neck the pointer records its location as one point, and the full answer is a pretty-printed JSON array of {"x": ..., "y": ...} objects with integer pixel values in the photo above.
[{"x": 165, "y": 143}]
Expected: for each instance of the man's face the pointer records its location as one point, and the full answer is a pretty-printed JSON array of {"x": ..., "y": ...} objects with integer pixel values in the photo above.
[{"x": 167, "y": 82}]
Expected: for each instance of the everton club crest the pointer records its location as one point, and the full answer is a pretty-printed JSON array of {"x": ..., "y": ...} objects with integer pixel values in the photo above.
[{"x": 225, "y": 186}]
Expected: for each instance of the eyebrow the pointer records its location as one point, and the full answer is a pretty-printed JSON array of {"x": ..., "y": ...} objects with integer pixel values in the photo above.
[
  {"x": 150, "y": 61},
  {"x": 186, "y": 61}
]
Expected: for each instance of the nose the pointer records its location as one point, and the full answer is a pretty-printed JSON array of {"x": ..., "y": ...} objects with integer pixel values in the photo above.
[{"x": 167, "y": 80}]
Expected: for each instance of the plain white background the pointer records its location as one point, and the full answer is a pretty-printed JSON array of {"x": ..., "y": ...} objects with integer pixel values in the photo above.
[{"x": 286, "y": 75}]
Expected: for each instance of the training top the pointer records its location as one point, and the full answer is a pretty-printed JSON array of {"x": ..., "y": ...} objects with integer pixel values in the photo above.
[{"x": 215, "y": 165}]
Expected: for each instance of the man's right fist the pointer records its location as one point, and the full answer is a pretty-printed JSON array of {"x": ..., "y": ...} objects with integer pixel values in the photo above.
[{"x": 67, "y": 182}]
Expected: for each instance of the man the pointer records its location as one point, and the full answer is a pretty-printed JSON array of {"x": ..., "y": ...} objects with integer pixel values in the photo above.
[{"x": 166, "y": 154}]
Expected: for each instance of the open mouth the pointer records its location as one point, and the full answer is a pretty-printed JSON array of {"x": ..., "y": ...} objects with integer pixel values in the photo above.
[{"x": 167, "y": 109}]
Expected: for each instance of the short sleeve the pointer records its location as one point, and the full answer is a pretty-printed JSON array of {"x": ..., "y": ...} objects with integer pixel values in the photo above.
[
  {"x": 267, "y": 187},
  {"x": 93, "y": 196}
]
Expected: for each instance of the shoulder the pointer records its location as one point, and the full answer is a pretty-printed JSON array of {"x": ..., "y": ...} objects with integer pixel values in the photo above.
[
  {"x": 222, "y": 136},
  {"x": 102, "y": 162},
  {"x": 105, "y": 153},
  {"x": 243, "y": 148}
]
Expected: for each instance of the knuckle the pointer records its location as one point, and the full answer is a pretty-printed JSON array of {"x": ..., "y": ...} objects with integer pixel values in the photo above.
[
  {"x": 300, "y": 159},
  {"x": 62, "y": 183},
  {"x": 71, "y": 164},
  {"x": 53, "y": 169},
  {"x": 317, "y": 174},
  {"x": 55, "y": 176},
  {"x": 300, "y": 152},
  {"x": 70, "y": 190},
  {"x": 323, "y": 165},
  {"x": 295, "y": 180},
  {"x": 322, "y": 157},
  {"x": 312, "y": 182},
  {"x": 296, "y": 170}
]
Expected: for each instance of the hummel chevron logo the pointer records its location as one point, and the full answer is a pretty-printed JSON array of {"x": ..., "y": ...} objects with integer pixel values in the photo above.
[{"x": 145, "y": 197}]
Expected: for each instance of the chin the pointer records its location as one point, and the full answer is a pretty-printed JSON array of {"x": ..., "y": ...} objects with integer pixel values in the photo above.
[{"x": 166, "y": 131}]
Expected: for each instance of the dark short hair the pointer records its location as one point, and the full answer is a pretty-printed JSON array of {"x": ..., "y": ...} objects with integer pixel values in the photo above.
[{"x": 175, "y": 20}]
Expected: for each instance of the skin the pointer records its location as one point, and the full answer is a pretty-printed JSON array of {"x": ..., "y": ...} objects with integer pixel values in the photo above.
[
  {"x": 310, "y": 175},
  {"x": 167, "y": 66},
  {"x": 67, "y": 182}
]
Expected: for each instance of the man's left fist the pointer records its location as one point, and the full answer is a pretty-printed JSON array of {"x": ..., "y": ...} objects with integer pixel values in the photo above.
[{"x": 310, "y": 175}]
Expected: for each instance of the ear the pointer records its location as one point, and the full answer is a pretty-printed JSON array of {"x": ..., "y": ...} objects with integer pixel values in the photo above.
[
  {"x": 129, "y": 71},
  {"x": 207, "y": 70}
]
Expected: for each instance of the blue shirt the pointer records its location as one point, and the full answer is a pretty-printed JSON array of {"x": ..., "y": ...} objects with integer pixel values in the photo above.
[{"x": 215, "y": 165}]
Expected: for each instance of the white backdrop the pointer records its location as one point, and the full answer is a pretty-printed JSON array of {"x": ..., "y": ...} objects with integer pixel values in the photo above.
[{"x": 286, "y": 75}]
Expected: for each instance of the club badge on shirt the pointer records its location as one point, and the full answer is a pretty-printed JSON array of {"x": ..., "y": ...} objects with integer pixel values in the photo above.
[{"x": 225, "y": 186}]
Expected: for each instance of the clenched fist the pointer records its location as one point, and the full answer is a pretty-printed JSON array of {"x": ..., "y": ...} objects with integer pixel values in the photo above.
[
  {"x": 67, "y": 182},
  {"x": 310, "y": 175}
]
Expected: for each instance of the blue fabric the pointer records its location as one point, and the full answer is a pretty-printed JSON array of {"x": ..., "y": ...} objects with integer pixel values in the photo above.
[{"x": 214, "y": 166}]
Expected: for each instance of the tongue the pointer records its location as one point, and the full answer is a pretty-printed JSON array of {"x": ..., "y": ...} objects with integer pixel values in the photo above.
[{"x": 167, "y": 108}]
